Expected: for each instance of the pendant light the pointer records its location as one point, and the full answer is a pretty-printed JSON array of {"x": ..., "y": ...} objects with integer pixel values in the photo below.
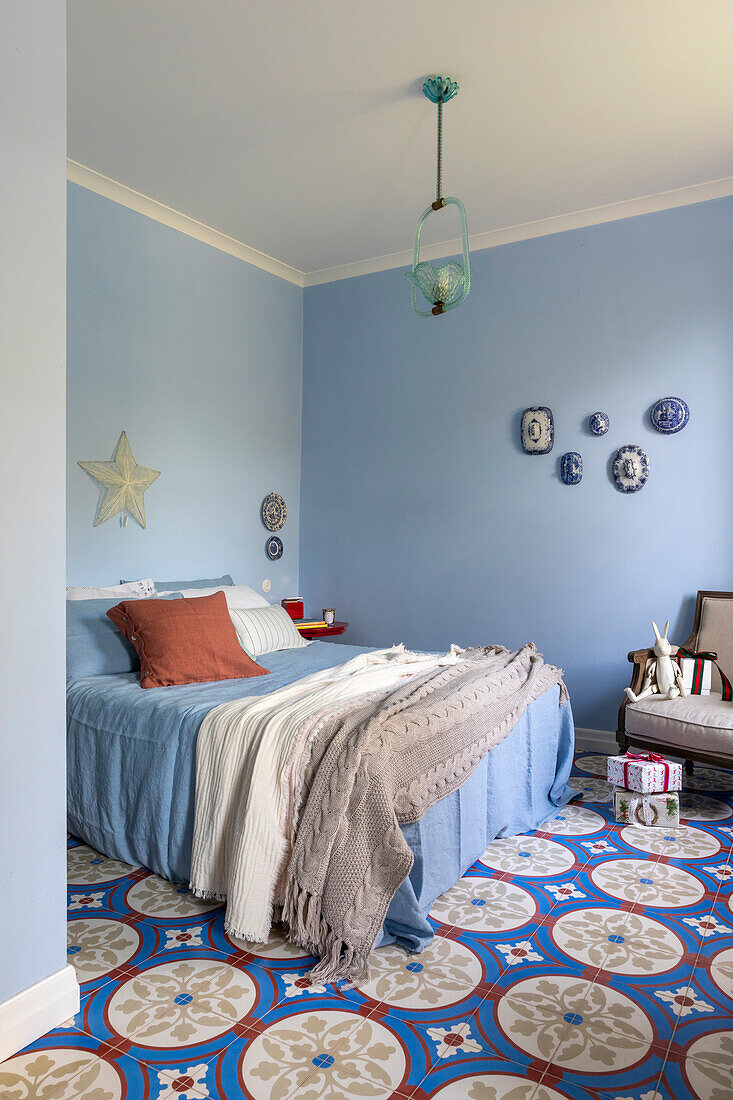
[{"x": 447, "y": 286}]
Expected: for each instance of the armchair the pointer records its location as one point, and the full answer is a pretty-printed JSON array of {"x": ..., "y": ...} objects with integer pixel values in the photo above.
[{"x": 698, "y": 728}]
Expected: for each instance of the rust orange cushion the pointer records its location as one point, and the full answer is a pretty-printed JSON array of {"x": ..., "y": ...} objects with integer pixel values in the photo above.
[{"x": 184, "y": 641}]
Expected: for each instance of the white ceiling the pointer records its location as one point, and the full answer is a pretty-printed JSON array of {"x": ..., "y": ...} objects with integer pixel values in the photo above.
[{"x": 299, "y": 129}]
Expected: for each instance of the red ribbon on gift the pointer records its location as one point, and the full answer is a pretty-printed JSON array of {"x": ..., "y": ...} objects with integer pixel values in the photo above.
[
  {"x": 649, "y": 758},
  {"x": 726, "y": 691}
]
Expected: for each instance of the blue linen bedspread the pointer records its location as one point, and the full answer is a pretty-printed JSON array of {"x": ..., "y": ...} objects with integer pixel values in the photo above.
[{"x": 131, "y": 757}]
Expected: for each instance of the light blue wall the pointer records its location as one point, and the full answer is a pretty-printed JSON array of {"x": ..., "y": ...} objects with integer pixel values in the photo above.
[
  {"x": 423, "y": 521},
  {"x": 197, "y": 356},
  {"x": 32, "y": 352}
]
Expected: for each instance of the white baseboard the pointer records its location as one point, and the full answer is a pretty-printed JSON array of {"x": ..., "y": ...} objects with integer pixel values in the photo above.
[
  {"x": 34, "y": 1011},
  {"x": 595, "y": 740}
]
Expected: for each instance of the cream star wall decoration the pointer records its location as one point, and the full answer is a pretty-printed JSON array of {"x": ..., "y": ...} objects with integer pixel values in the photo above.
[{"x": 124, "y": 484}]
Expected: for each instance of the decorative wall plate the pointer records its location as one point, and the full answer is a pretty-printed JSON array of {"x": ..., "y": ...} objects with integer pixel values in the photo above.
[
  {"x": 669, "y": 415},
  {"x": 630, "y": 469},
  {"x": 571, "y": 468},
  {"x": 538, "y": 432},
  {"x": 598, "y": 423},
  {"x": 274, "y": 548},
  {"x": 274, "y": 512}
]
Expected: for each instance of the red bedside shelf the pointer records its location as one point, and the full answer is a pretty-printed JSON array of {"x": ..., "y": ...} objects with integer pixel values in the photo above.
[{"x": 322, "y": 631}]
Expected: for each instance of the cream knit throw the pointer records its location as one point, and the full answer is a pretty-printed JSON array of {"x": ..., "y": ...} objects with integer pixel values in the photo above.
[
  {"x": 384, "y": 765},
  {"x": 249, "y": 765}
]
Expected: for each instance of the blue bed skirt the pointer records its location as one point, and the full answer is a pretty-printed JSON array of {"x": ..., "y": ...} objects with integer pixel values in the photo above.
[
  {"x": 516, "y": 787},
  {"x": 131, "y": 757}
]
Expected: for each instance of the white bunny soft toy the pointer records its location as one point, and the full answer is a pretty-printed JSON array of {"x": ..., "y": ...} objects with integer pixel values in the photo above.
[{"x": 662, "y": 675}]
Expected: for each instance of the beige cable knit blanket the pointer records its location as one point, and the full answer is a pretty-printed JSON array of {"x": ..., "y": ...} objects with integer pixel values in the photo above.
[{"x": 382, "y": 765}]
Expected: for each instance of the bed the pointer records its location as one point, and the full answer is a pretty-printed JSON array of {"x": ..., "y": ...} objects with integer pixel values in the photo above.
[{"x": 132, "y": 771}]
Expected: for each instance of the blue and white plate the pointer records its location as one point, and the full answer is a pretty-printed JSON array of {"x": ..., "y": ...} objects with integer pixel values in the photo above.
[
  {"x": 630, "y": 469},
  {"x": 538, "y": 430},
  {"x": 598, "y": 423},
  {"x": 274, "y": 548},
  {"x": 571, "y": 468},
  {"x": 669, "y": 415},
  {"x": 274, "y": 512}
]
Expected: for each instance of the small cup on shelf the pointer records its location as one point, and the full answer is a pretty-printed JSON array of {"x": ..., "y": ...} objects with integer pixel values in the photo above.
[{"x": 329, "y": 616}]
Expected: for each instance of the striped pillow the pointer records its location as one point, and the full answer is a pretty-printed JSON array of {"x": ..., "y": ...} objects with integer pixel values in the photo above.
[{"x": 265, "y": 629}]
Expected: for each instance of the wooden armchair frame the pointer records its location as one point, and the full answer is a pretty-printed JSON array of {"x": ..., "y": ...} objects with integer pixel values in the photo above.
[{"x": 638, "y": 659}]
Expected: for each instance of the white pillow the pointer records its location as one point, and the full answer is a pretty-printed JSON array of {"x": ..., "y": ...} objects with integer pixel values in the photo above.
[
  {"x": 265, "y": 629},
  {"x": 132, "y": 590},
  {"x": 238, "y": 595}
]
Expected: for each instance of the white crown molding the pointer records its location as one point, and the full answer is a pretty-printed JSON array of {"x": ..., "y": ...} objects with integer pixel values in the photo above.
[
  {"x": 559, "y": 223},
  {"x": 543, "y": 227},
  {"x": 34, "y": 1011},
  {"x": 159, "y": 212}
]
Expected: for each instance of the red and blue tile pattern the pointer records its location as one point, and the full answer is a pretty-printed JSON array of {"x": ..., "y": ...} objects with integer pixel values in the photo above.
[{"x": 585, "y": 959}]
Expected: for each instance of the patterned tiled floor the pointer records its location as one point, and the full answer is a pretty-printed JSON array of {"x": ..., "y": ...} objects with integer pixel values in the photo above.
[{"x": 584, "y": 960}]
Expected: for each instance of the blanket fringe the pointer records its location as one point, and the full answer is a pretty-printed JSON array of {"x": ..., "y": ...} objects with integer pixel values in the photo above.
[
  {"x": 206, "y": 895},
  {"x": 238, "y": 933},
  {"x": 241, "y": 934},
  {"x": 307, "y": 928},
  {"x": 341, "y": 962}
]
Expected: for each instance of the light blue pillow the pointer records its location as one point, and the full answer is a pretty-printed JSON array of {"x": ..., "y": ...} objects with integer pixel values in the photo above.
[
  {"x": 94, "y": 645},
  {"x": 215, "y": 582}
]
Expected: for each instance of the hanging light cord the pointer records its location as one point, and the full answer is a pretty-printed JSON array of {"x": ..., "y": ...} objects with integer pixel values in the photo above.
[{"x": 439, "y": 180}]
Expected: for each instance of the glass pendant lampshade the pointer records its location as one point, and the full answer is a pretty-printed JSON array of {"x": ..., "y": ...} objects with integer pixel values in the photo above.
[
  {"x": 438, "y": 284},
  {"x": 445, "y": 286}
]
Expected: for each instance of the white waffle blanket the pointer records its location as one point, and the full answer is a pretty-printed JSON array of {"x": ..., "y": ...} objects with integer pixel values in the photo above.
[{"x": 249, "y": 762}]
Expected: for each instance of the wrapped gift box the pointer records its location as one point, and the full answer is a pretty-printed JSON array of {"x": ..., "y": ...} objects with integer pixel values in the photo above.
[
  {"x": 661, "y": 811},
  {"x": 696, "y": 675},
  {"x": 645, "y": 773}
]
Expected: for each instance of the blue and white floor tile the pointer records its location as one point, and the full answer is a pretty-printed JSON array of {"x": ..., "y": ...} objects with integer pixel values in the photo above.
[{"x": 584, "y": 960}]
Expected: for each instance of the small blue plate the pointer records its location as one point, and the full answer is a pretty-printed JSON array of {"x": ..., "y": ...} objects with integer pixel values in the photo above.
[
  {"x": 274, "y": 548},
  {"x": 598, "y": 423},
  {"x": 571, "y": 468},
  {"x": 669, "y": 415}
]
